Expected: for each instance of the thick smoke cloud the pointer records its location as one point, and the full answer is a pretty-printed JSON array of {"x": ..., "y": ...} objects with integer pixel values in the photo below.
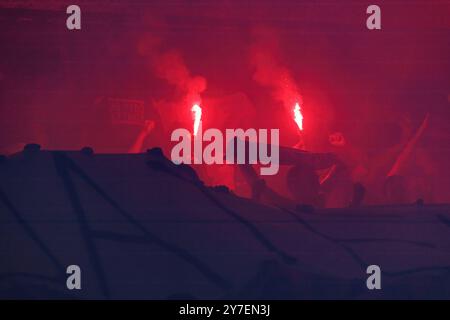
[
  {"x": 269, "y": 71},
  {"x": 169, "y": 65}
]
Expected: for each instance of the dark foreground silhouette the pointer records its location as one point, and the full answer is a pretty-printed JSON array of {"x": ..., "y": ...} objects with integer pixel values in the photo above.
[{"x": 141, "y": 227}]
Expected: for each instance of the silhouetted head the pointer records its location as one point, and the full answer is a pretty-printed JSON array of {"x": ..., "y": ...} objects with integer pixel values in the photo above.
[
  {"x": 31, "y": 148},
  {"x": 303, "y": 184},
  {"x": 88, "y": 151},
  {"x": 395, "y": 189},
  {"x": 359, "y": 192}
]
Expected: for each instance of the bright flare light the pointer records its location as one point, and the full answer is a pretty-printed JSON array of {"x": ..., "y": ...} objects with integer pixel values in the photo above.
[
  {"x": 197, "y": 111},
  {"x": 298, "y": 117}
]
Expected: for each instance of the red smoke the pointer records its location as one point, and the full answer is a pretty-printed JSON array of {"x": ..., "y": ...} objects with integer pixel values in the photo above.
[
  {"x": 270, "y": 71},
  {"x": 170, "y": 66}
]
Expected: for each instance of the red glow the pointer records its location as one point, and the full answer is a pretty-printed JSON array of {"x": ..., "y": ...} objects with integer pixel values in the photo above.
[
  {"x": 197, "y": 112},
  {"x": 298, "y": 117}
]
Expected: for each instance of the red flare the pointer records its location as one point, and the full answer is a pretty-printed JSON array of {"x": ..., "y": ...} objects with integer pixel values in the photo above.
[
  {"x": 298, "y": 117},
  {"x": 197, "y": 112}
]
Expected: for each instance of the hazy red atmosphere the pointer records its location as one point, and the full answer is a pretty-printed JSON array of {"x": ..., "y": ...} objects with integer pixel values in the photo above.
[
  {"x": 225, "y": 155},
  {"x": 246, "y": 64}
]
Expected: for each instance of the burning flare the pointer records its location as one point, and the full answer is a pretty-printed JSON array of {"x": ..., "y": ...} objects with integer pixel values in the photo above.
[
  {"x": 298, "y": 117},
  {"x": 197, "y": 111}
]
